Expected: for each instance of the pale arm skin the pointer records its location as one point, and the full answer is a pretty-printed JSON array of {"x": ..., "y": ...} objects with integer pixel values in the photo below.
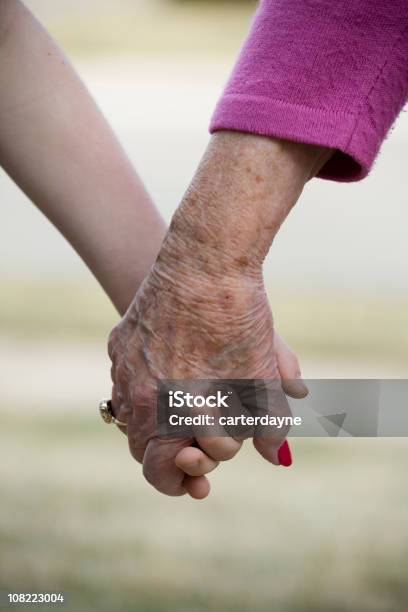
[{"x": 58, "y": 148}]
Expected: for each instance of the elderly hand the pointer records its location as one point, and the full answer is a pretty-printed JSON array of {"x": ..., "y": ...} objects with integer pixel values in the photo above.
[
  {"x": 202, "y": 312},
  {"x": 186, "y": 324}
]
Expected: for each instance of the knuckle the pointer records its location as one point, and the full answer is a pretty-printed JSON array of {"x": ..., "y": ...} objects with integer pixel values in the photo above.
[
  {"x": 121, "y": 374},
  {"x": 142, "y": 398},
  {"x": 112, "y": 343}
]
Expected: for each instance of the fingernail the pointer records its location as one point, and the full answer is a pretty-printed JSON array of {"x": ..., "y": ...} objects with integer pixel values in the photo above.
[{"x": 284, "y": 455}]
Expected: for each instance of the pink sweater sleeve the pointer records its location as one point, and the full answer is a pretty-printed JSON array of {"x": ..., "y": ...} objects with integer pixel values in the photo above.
[{"x": 326, "y": 72}]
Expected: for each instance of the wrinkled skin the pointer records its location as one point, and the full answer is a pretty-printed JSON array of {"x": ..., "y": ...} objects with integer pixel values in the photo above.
[
  {"x": 202, "y": 312},
  {"x": 186, "y": 323}
]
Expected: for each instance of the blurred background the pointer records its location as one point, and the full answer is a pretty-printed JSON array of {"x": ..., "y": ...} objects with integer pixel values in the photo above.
[{"x": 76, "y": 515}]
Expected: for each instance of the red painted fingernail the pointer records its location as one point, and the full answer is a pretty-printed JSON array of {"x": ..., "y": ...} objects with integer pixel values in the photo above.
[{"x": 284, "y": 454}]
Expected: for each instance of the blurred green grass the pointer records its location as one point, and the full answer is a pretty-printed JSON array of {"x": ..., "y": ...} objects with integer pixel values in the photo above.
[
  {"x": 350, "y": 325},
  {"x": 76, "y": 516},
  {"x": 347, "y": 324},
  {"x": 146, "y": 28},
  {"x": 67, "y": 308}
]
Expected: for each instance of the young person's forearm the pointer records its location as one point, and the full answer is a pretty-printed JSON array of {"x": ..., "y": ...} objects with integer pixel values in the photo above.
[
  {"x": 243, "y": 190},
  {"x": 57, "y": 146}
]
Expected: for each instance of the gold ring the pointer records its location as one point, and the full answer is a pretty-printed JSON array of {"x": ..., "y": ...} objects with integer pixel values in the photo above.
[{"x": 106, "y": 412}]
